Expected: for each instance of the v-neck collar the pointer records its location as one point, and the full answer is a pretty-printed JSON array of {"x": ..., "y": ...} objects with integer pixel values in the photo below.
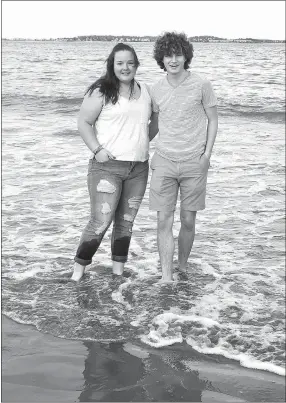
[{"x": 182, "y": 82}]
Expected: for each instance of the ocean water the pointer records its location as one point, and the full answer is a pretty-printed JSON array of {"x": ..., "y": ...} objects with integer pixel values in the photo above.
[{"x": 233, "y": 302}]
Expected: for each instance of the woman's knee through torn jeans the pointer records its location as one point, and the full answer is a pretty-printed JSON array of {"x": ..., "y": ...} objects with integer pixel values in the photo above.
[{"x": 116, "y": 189}]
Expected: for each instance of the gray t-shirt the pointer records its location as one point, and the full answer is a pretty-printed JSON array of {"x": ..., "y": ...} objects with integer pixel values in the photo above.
[{"x": 182, "y": 118}]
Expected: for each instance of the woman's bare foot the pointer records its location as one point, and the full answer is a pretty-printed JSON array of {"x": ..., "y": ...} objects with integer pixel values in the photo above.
[
  {"x": 117, "y": 268},
  {"x": 78, "y": 272}
]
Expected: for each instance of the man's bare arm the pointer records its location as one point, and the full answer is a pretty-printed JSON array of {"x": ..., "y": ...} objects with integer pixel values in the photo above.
[
  {"x": 212, "y": 127},
  {"x": 153, "y": 125}
]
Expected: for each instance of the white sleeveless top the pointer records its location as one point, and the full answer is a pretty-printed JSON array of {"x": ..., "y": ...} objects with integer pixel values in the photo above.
[{"x": 123, "y": 128}]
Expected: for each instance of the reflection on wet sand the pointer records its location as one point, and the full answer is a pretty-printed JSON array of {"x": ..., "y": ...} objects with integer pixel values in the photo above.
[{"x": 111, "y": 374}]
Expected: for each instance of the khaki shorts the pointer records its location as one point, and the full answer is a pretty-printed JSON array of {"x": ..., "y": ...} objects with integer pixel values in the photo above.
[{"x": 168, "y": 176}]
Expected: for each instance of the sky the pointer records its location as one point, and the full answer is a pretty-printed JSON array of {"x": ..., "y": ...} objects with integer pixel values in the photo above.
[{"x": 227, "y": 19}]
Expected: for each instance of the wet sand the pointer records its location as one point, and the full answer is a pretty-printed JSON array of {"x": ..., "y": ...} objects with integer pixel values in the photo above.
[{"x": 38, "y": 367}]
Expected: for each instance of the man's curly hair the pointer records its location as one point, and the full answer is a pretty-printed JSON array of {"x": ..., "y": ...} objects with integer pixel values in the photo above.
[{"x": 172, "y": 43}]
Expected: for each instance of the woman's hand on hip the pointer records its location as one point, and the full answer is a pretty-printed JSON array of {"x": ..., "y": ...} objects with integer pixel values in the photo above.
[{"x": 104, "y": 155}]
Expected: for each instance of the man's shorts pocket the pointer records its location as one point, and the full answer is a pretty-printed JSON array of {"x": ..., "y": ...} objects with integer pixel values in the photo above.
[{"x": 152, "y": 163}]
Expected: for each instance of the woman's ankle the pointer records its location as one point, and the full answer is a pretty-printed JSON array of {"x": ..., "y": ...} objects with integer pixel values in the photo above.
[
  {"x": 78, "y": 272},
  {"x": 117, "y": 268}
]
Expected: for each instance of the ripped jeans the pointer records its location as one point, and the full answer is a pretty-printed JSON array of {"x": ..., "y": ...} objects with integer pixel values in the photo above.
[{"x": 116, "y": 189}]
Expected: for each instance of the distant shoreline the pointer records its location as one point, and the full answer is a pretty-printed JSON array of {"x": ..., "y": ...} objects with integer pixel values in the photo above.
[{"x": 134, "y": 38}]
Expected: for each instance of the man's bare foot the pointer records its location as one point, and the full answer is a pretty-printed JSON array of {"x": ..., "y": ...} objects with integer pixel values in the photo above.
[
  {"x": 182, "y": 269},
  {"x": 166, "y": 280},
  {"x": 181, "y": 274},
  {"x": 78, "y": 272},
  {"x": 167, "y": 274}
]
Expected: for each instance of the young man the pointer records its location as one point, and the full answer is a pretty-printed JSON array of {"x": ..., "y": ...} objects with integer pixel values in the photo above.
[{"x": 187, "y": 119}]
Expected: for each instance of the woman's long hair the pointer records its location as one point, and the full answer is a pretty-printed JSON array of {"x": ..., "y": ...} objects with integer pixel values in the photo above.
[{"x": 108, "y": 84}]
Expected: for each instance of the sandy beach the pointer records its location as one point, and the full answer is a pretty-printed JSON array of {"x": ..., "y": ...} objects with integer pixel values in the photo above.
[{"x": 38, "y": 367}]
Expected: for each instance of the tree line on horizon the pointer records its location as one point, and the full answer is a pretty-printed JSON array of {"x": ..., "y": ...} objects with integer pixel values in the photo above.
[{"x": 148, "y": 38}]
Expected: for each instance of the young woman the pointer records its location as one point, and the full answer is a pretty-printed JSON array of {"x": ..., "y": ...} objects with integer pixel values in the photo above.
[{"x": 113, "y": 123}]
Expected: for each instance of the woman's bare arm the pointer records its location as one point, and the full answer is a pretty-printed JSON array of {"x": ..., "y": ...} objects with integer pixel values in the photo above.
[{"x": 89, "y": 112}]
